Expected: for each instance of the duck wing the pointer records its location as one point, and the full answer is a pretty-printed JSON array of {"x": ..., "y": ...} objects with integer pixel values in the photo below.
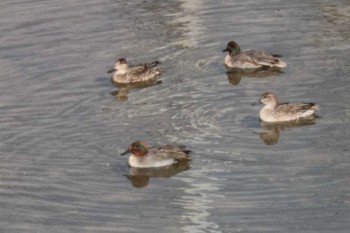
[
  {"x": 262, "y": 58},
  {"x": 295, "y": 108},
  {"x": 152, "y": 64},
  {"x": 137, "y": 70},
  {"x": 144, "y": 66},
  {"x": 142, "y": 72},
  {"x": 177, "y": 152}
]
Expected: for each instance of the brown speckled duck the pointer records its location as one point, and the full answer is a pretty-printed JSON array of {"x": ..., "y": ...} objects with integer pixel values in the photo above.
[
  {"x": 125, "y": 74},
  {"x": 272, "y": 111}
]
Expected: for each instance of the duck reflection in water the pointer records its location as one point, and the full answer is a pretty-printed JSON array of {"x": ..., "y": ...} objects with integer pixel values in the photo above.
[
  {"x": 235, "y": 75},
  {"x": 271, "y": 133},
  {"x": 121, "y": 94},
  {"x": 139, "y": 177}
]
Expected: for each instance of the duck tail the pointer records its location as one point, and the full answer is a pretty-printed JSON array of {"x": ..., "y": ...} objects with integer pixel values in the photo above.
[
  {"x": 277, "y": 61},
  {"x": 276, "y": 55},
  {"x": 186, "y": 156},
  {"x": 184, "y": 149},
  {"x": 314, "y": 106},
  {"x": 187, "y": 151},
  {"x": 153, "y": 64},
  {"x": 280, "y": 64}
]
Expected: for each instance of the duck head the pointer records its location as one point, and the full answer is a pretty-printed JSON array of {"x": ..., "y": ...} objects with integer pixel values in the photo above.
[
  {"x": 121, "y": 64},
  {"x": 269, "y": 98},
  {"x": 138, "y": 148},
  {"x": 232, "y": 48}
]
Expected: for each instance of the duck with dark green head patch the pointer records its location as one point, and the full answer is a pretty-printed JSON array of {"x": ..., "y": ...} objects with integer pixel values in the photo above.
[{"x": 251, "y": 59}]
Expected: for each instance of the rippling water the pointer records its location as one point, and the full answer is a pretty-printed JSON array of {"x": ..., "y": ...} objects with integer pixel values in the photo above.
[{"x": 63, "y": 125}]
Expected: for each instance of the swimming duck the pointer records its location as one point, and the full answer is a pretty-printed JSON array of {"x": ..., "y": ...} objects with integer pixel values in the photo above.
[
  {"x": 124, "y": 74},
  {"x": 272, "y": 111},
  {"x": 250, "y": 59},
  {"x": 145, "y": 156}
]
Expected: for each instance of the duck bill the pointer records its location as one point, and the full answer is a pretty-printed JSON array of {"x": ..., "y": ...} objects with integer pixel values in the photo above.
[
  {"x": 125, "y": 152},
  {"x": 256, "y": 103},
  {"x": 225, "y": 50},
  {"x": 111, "y": 70}
]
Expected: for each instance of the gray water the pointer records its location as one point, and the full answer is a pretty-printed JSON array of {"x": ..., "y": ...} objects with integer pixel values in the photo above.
[{"x": 63, "y": 126}]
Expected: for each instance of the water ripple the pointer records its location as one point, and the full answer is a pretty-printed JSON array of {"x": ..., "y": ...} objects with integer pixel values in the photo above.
[{"x": 62, "y": 131}]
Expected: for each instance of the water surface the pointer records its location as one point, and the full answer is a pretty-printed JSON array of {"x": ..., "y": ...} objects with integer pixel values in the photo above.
[{"x": 62, "y": 129}]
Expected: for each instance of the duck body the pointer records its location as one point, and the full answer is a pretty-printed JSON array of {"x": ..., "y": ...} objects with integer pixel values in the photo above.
[
  {"x": 272, "y": 111},
  {"x": 125, "y": 74},
  {"x": 144, "y": 156},
  {"x": 251, "y": 59}
]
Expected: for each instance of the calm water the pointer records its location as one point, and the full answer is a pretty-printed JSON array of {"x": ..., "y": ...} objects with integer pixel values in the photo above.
[{"x": 63, "y": 127}]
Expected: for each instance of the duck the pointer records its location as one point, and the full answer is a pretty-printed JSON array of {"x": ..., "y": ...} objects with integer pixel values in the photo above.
[
  {"x": 251, "y": 59},
  {"x": 272, "y": 111},
  {"x": 125, "y": 74},
  {"x": 145, "y": 156}
]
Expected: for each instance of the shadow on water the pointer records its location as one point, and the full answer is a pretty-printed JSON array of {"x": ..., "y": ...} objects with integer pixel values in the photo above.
[
  {"x": 121, "y": 94},
  {"x": 235, "y": 76},
  {"x": 139, "y": 177},
  {"x": 271, "y": 133}
]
